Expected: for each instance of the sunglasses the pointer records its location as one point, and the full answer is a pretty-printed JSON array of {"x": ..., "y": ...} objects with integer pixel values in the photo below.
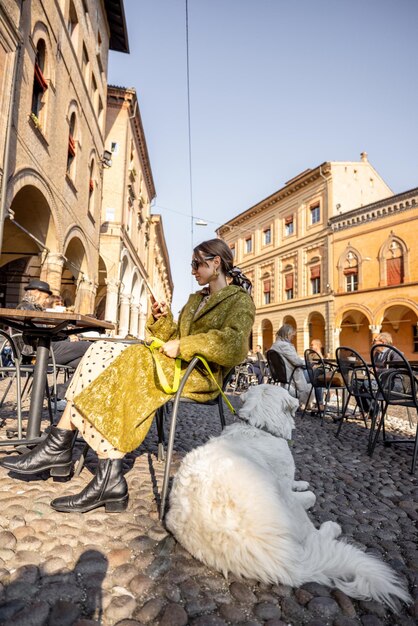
[{"x": 196, "y": 263}]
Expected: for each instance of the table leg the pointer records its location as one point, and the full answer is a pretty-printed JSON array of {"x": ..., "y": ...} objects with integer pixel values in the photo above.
[{"x": 38, "y": 388}]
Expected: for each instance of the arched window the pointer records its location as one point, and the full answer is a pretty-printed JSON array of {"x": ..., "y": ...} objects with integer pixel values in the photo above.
[
  {"x": 394, "y": 264},
  {"x": 350, "y": 271},
  {"x": 71, "y": 145},
  {"x": 39, "y": 83}
]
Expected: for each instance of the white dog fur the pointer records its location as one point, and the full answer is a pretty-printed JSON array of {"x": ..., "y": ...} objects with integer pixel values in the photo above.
[{"x": 236, "y": 506}]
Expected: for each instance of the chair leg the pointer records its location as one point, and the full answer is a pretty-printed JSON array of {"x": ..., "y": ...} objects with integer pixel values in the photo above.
[
  {"x": 307, "y": 402},
  {"x": 415, "y": 453},
  {"x": 159, "y": 421},
  {"x": 221, "y": 411},
  {"x": 81, "y": 460},
  {"x": 169, "y": 455},
  {"x": 345, "y": 407},
  {"x": 373, "y": 440}
]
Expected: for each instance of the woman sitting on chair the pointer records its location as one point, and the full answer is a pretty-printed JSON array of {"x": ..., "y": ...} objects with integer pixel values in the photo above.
[
  {"x": 115, "y": 390},
  {"x": 293, "y": 362}
]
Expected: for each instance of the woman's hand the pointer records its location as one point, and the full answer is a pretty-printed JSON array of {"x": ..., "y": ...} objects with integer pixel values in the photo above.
[
  {"x": 159, "y": 309},
  {"x": 171, "y": 348}
]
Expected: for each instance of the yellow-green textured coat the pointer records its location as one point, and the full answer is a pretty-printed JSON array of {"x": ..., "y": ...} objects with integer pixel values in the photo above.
[{"x": 121, "y": 401}]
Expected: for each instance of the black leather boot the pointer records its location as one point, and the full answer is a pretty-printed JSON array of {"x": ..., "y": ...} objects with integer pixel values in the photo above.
[
  {"x": 54, "y": 453},
  {"x": 108, "y": 488}
]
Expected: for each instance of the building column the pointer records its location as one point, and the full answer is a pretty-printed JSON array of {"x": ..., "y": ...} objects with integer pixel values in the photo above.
[
  {"x": 336, "y": 340},
  {"x": 375, "y": 329},
  {"x": 124, "y": 312},
  {"x": 85, "y": 296},
  {"x": 142, "y": 322},
  {"x": 133, "y": 324},
  {"x": 112, "y": 292},
  {"x": 52, "y": 270}
]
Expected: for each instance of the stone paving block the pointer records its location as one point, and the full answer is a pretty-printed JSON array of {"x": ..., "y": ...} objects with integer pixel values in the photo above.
[{"x": 83, "y": 561}]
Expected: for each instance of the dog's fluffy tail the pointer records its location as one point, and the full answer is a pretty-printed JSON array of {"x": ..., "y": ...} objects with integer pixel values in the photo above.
[{"x": 358, "y": 574}]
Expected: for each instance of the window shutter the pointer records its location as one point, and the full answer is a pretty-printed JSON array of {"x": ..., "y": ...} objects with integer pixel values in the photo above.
[
  {"x": 350, "y": 271},
  {"x": 39, "y": 78},
  {"x": 267, "y": 286},
  {"x": 315, "y": 271},
  {"x": 288, "y": 281},
  {"x": 71, "y": 145},
  {"x": 394, "y": 269}
]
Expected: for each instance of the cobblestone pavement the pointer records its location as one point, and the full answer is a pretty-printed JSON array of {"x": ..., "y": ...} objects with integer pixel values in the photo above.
[{"x": 60, "y": 569}]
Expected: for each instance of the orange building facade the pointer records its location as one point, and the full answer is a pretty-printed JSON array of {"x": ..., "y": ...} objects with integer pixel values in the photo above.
[
  {"x": 299, "y": 247},
  {"x": 376, "y": 273}
]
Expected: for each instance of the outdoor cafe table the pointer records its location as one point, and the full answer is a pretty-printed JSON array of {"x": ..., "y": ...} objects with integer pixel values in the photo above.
[{"x": 45, "y": 327}]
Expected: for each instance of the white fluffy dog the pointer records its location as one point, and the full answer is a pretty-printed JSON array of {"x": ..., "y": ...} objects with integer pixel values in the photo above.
[{"x": 236, "y": 506}]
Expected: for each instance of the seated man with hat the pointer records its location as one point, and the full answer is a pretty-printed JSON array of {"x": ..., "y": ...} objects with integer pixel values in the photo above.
[{"x": 69, "y": 351}]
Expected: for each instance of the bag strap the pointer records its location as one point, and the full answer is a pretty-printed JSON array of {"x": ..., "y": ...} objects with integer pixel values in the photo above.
[{"x": 156, "y": 345}]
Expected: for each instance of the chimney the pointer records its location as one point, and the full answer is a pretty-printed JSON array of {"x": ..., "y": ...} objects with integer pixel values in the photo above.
[{"x": 363, "y": 156}]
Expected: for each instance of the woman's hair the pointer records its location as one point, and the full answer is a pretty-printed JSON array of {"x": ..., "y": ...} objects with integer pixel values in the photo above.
[
  {"x": 286, "y": 332},
  {"x": 218, "y": 247},
  {"x": 384, "y": 338}
]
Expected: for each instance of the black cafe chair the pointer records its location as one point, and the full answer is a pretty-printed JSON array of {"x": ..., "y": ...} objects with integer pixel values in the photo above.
[
  {"x": 13, "y": 371},
  {"x": 322, "y": 375},
  {"x": 360, "y": 385},
  {"x": 163, "y": 413},
  {"x": 398, "y": 385},
  {"x": 278, "y": 372}
]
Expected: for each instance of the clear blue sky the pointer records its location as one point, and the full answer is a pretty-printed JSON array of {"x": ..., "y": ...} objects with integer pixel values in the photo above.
[{"x": 276, "y": 87}]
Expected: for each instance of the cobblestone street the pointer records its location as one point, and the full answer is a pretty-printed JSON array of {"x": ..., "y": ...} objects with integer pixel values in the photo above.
[{"x": 61, "y": 570}]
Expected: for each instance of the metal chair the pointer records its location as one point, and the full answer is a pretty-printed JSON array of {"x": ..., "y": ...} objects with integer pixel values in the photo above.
[
  {"x": 17, "y": 371},
  {"x": 14, "y": 372},
  {"x": 398, "y": 386},
  {"x": 162, "y": 412},
  {"x": 322, "y": 375},
  {"x": 360, "y": 384},
  {"x": 278, "y": 372}
]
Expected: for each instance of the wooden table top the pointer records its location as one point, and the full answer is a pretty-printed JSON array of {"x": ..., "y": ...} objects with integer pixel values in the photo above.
[{"x": 51, "y": 318}]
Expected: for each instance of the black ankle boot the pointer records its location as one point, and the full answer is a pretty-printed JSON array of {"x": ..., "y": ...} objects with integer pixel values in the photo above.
[
  {"x": 108, "y": 488},
  {"x": 53, "y": 453}
]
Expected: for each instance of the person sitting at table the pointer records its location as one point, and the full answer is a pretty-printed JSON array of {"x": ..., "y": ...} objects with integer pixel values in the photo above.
[
  {"x": 67, "y": 352},
  {"x": 283, "y": 345},
  {"x": 316, "y": 344},
  {"x": 384, "y": 357},
  {"x": 116, "y": 389},
  {"x": 254, "y": 366}
]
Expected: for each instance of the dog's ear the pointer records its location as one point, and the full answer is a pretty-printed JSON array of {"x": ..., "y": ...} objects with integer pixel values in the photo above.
[{"x": 271, "y": 408}]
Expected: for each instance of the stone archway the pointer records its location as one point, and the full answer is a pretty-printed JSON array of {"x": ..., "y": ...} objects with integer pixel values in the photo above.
[
  {"x": 289, "y": 319},
  {"x": 74, "y": 280},
  {"x": 401, "y": 322},
  {"x": 29, "y": 235},
  {"x": 355, "y": 332},
  {"x": 267, "y": 334},
  {"x": 316, "y": 327}
]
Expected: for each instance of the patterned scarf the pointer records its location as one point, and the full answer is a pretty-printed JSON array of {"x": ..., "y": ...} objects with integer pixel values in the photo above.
[{"x": 238, "y": 278}]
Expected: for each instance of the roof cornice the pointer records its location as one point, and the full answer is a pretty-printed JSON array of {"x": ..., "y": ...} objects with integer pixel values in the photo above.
[
  {"x": 376, "y": 210},
  {"x": 293, "y": 185},
  {"x": 117, "y": 97},
  {"x": 117, "y": 25}
]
